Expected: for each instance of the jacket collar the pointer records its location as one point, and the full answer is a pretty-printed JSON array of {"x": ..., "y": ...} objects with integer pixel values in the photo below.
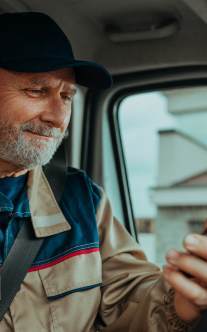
[{"x": 46, "y": 216}]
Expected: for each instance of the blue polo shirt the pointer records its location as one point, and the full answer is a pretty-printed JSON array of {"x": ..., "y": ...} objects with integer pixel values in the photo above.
[{"x": 13, "y": 204}]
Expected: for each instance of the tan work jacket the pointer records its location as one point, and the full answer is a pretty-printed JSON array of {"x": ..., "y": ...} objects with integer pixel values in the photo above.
[{"x": 130, "y": 294}]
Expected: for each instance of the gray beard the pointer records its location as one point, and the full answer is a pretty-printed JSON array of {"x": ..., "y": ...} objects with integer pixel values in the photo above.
[{"x": 28, "y": 152}]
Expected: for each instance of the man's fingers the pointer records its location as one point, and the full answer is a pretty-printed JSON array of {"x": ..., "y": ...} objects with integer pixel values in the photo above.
[
  {"x": 197, "y": 244},
  {"x": 189, "y": 263},
  {"x": 187, "y": 288},
  {"x": 190, "y": 293}
]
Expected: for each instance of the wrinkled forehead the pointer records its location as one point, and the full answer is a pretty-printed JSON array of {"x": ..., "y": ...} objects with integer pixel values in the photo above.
[
  {"x": 62, "y": 77},
  {"x": 56, "y": 77}
]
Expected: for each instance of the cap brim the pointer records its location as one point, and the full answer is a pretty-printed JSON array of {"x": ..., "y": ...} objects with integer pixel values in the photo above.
[{"x": 88, "y": 74}]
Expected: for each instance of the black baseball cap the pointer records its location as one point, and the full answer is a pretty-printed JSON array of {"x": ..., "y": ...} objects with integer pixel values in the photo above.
[{"x": 32, "y": 42}]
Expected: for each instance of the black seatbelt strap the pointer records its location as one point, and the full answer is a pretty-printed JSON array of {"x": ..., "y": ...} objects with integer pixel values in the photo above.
[
  {"x": 26, "y": 245},
  {"x": 17, "y": 263}
]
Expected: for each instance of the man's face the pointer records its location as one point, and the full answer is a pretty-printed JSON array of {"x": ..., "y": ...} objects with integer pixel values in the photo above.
[{"x": 35, "y": 110}]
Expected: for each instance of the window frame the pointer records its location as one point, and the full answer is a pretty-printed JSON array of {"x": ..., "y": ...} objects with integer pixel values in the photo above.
[{"x": 143, "y": 82}]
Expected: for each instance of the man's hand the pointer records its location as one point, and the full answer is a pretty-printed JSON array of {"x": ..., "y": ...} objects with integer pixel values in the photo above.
[{"x": 191, "y": 294}]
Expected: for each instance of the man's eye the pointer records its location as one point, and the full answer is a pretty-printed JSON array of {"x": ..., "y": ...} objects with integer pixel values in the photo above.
[
  {"x": 66, "y": 97},
  {"x": 35, "y": 91}
]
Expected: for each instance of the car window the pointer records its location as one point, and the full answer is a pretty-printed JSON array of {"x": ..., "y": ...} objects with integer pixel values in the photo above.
[{"x": 164, "y": 139}]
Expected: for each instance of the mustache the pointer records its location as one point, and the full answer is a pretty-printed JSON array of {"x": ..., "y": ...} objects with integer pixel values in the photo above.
[{"x": 41, "y": 129}]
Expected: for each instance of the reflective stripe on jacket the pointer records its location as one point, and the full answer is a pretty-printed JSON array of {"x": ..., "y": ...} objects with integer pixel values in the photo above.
[{"x": 89, "y": 274}]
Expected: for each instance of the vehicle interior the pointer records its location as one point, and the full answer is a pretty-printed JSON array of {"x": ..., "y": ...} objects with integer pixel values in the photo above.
[{"x": 144, "y": 140}]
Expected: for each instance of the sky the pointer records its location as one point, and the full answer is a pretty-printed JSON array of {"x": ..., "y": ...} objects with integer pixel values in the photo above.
[{"x": 140, "y": 117}]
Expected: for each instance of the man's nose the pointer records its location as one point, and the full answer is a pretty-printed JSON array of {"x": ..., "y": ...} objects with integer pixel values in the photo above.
[{"x": 56, "y": 113}]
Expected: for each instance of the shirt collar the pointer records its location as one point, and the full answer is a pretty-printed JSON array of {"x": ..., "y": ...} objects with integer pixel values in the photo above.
[
  {"x": 5, "y": 203},
  {"x": 46, "y": 216},
  {"x": 21, "y": 209}
]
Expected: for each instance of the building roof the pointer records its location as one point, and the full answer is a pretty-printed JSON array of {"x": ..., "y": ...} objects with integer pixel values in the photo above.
[{"x": 181, "y": 158}]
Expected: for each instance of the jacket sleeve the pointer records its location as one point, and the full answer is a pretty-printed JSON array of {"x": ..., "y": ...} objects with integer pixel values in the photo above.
[{"x": 135, "y": 296}]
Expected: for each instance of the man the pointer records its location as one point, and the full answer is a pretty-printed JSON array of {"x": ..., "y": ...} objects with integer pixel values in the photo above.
[{"x": 89, "y": 274}]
